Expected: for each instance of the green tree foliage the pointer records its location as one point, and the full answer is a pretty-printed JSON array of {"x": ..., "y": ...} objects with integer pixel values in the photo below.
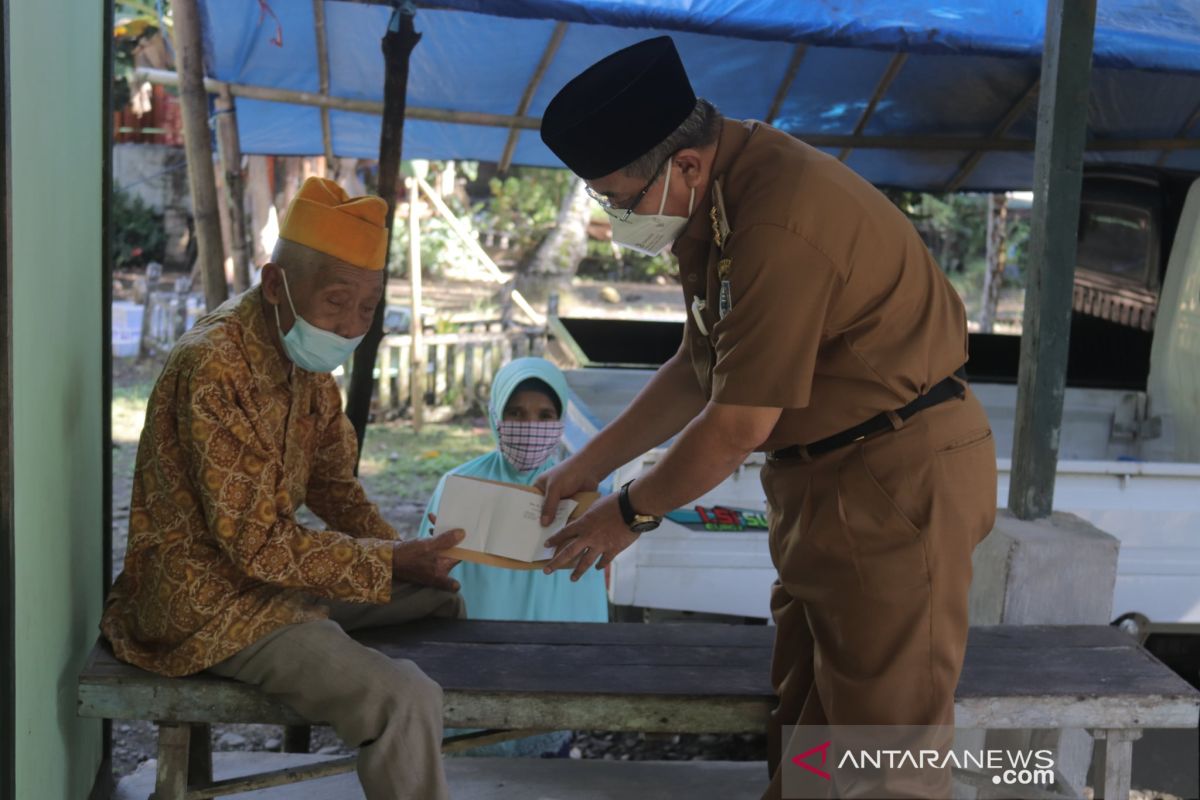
[
  {"x": 524, "y": 205},
  {"x": 138, "y": 234}
]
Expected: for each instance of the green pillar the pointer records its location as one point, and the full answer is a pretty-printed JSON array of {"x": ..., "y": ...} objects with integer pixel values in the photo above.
[{"x": 1057, "y": 177}]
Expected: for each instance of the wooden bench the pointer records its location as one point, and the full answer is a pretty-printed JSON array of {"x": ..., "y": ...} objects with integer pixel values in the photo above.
[{"x": 671, "y": 678}]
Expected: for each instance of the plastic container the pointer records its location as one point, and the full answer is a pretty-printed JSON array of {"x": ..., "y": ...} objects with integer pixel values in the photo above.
[{"x": 126, "y": 328}]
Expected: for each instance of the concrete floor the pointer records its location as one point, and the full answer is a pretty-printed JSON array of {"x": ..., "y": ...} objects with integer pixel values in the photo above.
[{"x": 505, "y": 779}]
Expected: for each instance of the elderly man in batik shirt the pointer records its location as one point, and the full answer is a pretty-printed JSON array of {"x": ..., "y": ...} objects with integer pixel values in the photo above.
[{"x": 244, "y": 426}]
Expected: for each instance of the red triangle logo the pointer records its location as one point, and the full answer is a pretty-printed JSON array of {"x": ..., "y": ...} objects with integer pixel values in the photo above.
[{"x": 823, "y": 749}]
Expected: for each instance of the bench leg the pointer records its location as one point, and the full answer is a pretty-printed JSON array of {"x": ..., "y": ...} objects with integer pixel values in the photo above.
[
  {"x": 297, "y": 738},
  {"x": 170, "y": 782},
  {"x": 200, "y": 766},
  {"x": 1118, "y": 762}
]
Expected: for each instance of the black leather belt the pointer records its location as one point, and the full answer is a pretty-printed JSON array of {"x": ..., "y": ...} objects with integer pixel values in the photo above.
[{"x": 954, "y": 386}]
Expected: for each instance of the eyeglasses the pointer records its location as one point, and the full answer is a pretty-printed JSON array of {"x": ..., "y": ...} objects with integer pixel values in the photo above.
[{"x": 607, "y": 204}]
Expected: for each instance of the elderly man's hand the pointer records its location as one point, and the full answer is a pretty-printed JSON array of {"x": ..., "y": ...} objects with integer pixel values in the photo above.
[
  {"x": 422, "y": 560},
  {"x": 595, "y": 538}
]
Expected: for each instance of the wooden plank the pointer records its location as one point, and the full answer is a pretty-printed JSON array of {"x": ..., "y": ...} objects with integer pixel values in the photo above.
[
  {"x": 418, "y": 352},
  {"x": 459, "y": 382},
  {"x": 1057, "y": 180},
  {"x": 170, "y": 781},
  {"x": 585, "y": 675},
  {"x": 279, "y": 777},
  {"x": 684, "y": 634},
  {"x": 200, "y": 765},
  {"x": 403, "y": 375},
  {"x": 386, "y": 353},
  {"x": 441, "y": 371},
  {"x": 1040, "y": 637}
]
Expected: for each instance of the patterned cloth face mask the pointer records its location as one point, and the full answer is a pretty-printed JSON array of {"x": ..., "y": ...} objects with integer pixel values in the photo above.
[{"x": 527, "y": 445}]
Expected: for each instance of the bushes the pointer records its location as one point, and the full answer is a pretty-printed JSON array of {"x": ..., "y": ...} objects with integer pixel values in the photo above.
[{"x": 138, "y": 236}]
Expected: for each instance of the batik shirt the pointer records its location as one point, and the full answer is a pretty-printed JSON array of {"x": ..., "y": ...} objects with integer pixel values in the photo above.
[{"x": 236, "y": 439}]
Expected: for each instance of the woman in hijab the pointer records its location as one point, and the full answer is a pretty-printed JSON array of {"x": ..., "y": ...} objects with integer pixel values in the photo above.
[{"x": 528, "y": 398}]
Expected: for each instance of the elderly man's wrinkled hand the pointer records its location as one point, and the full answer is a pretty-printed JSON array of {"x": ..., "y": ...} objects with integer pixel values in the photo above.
[
  {"x": 423, "y": 561},
  {"x": 597, "y": 538}
]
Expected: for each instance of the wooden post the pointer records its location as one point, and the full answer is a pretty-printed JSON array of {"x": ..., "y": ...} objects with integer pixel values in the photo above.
[
  {"x": 230, "y": 149},
  {"x": 189, "y": 57},
  {"x": 417, "y": 354},
  {"x": 997, "y": 260},
  {"x": 398, "y": 44},
  {"x": 1057, "y": 178},
  {"x": 385, "y": 376}
]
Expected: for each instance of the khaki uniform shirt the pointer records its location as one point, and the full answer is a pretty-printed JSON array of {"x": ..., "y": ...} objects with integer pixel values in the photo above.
[
  {"x": 235, "y": 441},
  {"x": 838, "y": 312}
]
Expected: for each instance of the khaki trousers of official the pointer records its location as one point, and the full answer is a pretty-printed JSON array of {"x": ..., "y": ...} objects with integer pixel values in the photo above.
[
  {"x": 389, "y": 709},
  {"x": 873, "y": 546}
]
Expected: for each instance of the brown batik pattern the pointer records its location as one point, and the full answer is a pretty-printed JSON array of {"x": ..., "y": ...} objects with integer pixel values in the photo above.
[{"x": 235, "y": 441}]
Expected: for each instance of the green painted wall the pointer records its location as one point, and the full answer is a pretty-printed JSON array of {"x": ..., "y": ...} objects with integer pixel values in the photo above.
[{"x": 55, "y": 72}]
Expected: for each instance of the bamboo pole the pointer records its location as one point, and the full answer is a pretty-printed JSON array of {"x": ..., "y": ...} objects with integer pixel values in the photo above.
[
  {"x": 885, "y": 82},
  {"x": 189, "y": 55},
  {"x": 918, "y": 141},
  {"x": 397, "y": 44},
  {"x": 323, "y": 73},
  {"x": 318, "y": 100},
  {"x": 510, "y": 147},
  {"x": 417, "y": 354},
  {"x": 230, "y": 151}
]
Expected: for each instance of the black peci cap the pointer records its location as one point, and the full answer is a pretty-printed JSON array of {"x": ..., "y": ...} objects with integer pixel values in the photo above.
[{"x": 619, "y": 109}]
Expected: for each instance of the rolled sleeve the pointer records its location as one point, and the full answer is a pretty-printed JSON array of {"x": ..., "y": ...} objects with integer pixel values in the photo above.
[{"x": 766, "y": 346}]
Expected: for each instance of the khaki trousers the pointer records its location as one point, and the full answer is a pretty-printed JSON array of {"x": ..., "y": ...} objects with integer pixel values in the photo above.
[
  {"x": 873, "y": 546},
  {"x": 389, "y": 709}
]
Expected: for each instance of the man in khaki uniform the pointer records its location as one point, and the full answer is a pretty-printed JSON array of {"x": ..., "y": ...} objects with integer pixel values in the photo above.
[
  {"x": 820, "y": 331},
  {"x": 243, "y": 427}
]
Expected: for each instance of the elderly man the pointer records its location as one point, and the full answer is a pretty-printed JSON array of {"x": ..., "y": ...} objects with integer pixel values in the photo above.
[
  {"x": 243, "y": 427},
  {"x": 820, "y": 331}
]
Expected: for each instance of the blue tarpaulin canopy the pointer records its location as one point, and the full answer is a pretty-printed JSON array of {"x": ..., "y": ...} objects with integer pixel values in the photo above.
[{"x": 916, "y": 87}]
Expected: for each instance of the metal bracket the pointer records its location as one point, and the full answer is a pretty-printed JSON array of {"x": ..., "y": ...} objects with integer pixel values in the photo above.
[{"x": 1132, "y": 420}]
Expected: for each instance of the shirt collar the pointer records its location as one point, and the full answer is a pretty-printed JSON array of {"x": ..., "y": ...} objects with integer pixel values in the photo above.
[
  {"x": 266, "y": 362},
  {"x": 730, "y": 143}
]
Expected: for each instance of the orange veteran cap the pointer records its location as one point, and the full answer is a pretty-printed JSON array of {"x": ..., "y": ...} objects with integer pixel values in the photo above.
[{"x": 352, "y": 229}]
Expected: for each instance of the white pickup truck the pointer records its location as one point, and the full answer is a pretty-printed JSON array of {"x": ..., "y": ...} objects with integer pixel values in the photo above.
[{"x": 1130, "y": 440}]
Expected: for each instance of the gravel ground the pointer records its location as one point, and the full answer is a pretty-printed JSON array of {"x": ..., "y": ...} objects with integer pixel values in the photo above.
[{"x": 134, "y": 743}]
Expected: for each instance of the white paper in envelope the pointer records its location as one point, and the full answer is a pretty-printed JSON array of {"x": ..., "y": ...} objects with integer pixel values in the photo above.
[{"x": 500, "y": 520}]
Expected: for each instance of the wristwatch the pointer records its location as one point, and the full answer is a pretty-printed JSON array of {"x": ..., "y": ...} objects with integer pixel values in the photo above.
[{"x": 638, "y": 523}]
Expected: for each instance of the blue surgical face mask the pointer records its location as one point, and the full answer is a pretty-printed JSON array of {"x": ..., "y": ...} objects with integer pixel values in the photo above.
[{"x": 308, "y": 346}]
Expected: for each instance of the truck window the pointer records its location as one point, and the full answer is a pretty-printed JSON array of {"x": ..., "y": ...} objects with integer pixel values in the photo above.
[{"x": 1115, "y": 240}]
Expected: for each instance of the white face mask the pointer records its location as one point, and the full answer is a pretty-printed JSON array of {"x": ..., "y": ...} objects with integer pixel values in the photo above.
[{"x": 650, "y": 234}]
